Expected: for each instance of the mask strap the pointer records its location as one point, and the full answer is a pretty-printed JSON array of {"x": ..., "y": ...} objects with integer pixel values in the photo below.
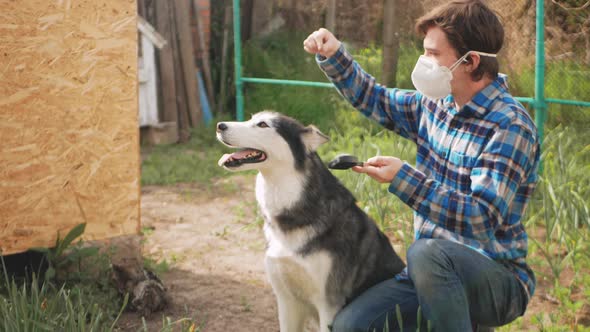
[
  {"x": 483, "y": 53},
  {"x": 461, "y": 59}
]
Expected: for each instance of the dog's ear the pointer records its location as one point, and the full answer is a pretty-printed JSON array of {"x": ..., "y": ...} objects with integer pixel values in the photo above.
[{"x": 313, "y": 137}]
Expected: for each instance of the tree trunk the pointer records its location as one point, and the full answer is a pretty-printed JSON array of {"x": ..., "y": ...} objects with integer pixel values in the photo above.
[
  {"x": 390, "y": 43},
  {"x": 187, "y": 57}
]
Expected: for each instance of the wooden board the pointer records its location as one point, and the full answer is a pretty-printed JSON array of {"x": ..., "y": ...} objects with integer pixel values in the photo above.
[
  {"x": 186, "y": 47},
  {"x": 204, "y": 51},
  {"x": 69, "y": 136},
  {"x": 184, "y": 133},
  {"x": 166, "y": 61}
]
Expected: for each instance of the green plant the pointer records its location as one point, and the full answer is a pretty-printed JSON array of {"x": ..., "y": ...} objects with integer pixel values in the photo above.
[
  {"x": 158, "y": 267},
  {"x": 223, "y": 233},
  {"x": 147, "y": 230},
  {"x": 37, "y": 306},
  {"x": 246, "y": 306},
  {"x": 243, "y": 212},
  {"x": 559, "y": 212},
  {"x": 400, "y": 321},
  {"x": 561, "y": 204},
  {"x": 60, "y": 257}
]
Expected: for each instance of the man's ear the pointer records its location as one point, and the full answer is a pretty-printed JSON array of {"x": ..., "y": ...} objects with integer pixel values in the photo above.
[
  {"x": 473, "y": 61},
  {"x": 313, "y": 138}
]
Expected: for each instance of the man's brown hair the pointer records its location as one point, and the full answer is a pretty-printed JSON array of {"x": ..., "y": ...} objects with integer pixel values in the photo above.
[{"x": 469, "y": 25}]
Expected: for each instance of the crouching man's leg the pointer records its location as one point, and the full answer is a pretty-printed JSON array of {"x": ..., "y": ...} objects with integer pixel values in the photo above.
[
  {"x": 457, "y": 286},
  {"x": 375, "y": 309}
]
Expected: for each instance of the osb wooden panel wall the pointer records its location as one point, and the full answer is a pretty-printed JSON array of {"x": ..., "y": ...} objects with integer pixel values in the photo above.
[{"x": 69, "y": 150}]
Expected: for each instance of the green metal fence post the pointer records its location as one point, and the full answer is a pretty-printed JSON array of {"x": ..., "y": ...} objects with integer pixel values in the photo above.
[
  {"x": 238, "y": 62},
  {"x": 540, "y": 102}
]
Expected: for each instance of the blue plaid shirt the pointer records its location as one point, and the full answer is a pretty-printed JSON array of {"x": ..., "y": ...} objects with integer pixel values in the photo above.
[{"x": 476, "y": 167}]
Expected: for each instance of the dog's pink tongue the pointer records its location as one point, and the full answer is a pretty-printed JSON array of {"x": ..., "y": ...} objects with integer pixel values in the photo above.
[
  {"x": 236, "y": 155},
  {"x": 241, "y": 154}
]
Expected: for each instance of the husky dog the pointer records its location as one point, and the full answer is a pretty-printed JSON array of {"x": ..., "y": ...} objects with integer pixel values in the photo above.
[{"x": 323, "y": 250}]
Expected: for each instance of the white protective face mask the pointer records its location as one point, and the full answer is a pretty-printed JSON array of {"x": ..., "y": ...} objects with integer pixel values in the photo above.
[{"x": 434, "y": 81}]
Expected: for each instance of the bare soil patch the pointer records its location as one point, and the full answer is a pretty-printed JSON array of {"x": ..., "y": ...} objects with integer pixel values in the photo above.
[{"x": 209, "y": 236}]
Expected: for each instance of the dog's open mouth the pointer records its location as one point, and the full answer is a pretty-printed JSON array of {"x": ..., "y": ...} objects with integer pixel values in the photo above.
[{"x": 243, "y": 156}]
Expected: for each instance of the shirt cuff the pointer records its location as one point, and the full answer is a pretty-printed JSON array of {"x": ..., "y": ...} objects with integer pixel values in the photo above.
[
  {"x": 407, "y": 183},
  {"x": 402, "y": 275},
  {"x": 337, "y": 64}
]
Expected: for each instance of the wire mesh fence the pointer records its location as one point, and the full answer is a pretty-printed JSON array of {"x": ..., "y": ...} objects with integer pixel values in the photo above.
[{"x": 555, "y": 79}]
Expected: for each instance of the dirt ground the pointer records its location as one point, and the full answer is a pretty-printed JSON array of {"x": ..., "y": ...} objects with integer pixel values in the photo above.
[
  {"x": 215, "y": 249},
  {"x": 212, "y": 239}
]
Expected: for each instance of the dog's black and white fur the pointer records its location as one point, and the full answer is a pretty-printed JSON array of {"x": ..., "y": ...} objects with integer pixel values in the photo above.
[{"x": 323, "y": 250}]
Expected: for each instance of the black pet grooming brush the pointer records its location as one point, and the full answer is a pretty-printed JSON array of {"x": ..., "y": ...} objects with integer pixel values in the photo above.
[{"x": 344, "y": 161}]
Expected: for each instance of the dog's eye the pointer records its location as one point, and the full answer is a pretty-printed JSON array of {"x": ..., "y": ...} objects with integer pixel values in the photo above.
[{"x": 262, "y": 124}]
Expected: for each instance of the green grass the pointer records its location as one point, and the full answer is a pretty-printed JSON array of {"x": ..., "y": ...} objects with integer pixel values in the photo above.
[
  {"x": 195, "y": 161},
  {"x": 77, "y": 296},
  {"x": 34, "y": 305}
]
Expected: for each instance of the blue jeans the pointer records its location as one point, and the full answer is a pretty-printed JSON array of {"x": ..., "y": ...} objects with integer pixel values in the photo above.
[{"x": 455, "y": 287}]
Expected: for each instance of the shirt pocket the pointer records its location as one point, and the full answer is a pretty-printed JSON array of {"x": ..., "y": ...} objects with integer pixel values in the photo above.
[
  {"x": 462, "y": 160},
  {"x": 459, "y": 170},
  {"x": 464, "y": 151}
]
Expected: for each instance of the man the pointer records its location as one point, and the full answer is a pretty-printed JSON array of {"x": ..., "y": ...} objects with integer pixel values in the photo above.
[{"x": 476, "y": 168}]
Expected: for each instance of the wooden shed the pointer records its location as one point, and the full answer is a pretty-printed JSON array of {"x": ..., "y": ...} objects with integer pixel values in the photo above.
[{"x": 69, "y": 150}]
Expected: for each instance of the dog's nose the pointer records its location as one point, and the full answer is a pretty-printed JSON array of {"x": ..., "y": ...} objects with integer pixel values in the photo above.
[{"x": 221, "y": 126}]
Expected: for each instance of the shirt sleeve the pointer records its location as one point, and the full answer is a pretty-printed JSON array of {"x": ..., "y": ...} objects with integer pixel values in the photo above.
[
  {"x": 394, "y": 109},
  {"x": 507, "y": 161}
]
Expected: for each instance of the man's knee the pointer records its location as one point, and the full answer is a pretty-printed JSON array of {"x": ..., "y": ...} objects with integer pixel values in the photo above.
[
  {"x": 425, "y": 256},
  {"x": 423, "y": 251}
]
